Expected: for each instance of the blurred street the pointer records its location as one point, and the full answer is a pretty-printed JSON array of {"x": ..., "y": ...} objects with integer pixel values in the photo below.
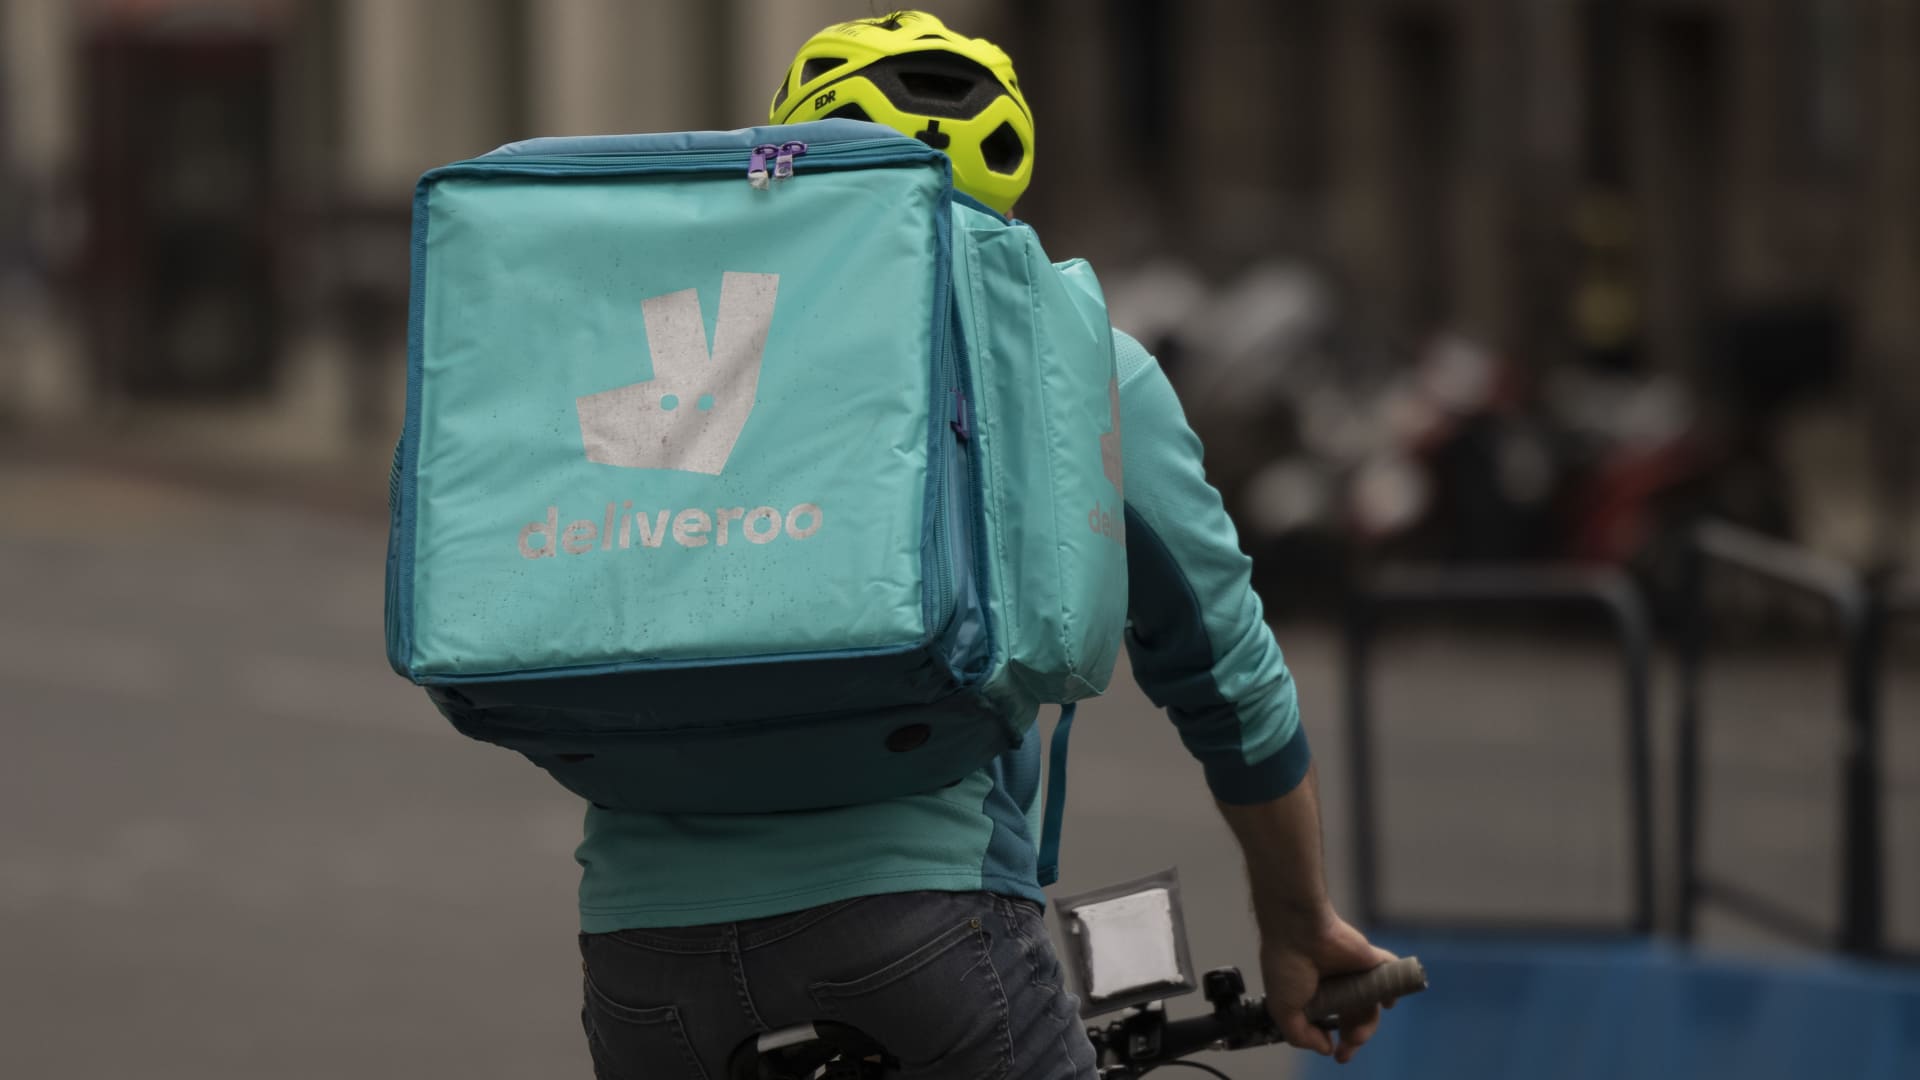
[{"x": 239, "y": 847}]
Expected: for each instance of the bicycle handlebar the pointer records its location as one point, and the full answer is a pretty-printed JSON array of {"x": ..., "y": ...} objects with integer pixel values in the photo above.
[
  {"x": 1146, "y": 1038},
  {"x": 1346, "y": 993}
]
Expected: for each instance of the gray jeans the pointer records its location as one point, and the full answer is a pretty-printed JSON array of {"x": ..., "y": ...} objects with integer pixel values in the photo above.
[{"x": 960, "y": 985}]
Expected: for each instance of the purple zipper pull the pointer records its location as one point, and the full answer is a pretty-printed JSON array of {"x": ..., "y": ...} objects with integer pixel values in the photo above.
[
  {"x": 783, "y": 163},
  {"x": 757, "y": 165}
]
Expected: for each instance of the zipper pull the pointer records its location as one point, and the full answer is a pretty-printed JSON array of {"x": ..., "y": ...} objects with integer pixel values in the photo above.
[
  {"x": 757, "y": 165},
  {"x": 959, "y": 421},
  {"x": 783, "y": 163}
]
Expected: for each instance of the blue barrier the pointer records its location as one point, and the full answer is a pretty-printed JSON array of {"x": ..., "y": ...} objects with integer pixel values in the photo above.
[{"x": 1506, "y": 1010}]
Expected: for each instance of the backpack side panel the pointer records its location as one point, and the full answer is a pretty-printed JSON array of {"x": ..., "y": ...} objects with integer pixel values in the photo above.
[{"x": 1042, "y": 360}]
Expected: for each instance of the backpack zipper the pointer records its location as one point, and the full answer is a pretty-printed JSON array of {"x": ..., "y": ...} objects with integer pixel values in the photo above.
[
  {"x": 940, "y": 474},
  {"x": 823, "y": 155}
]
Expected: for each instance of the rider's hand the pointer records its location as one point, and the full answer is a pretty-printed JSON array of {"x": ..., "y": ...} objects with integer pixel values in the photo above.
[
  {"x": 1302, "y": 940},
  {"x": 1292, "y": 963}
]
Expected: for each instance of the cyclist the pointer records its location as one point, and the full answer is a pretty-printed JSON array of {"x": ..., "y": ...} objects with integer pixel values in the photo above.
[{"x": 919, "y": 920}]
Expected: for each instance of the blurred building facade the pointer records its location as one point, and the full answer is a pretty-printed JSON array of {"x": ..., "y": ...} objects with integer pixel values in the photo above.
[{"x": 208, "y": 197}]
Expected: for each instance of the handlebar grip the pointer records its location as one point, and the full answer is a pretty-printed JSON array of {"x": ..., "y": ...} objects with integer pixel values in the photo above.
[{"x": 1352, "y": 993}]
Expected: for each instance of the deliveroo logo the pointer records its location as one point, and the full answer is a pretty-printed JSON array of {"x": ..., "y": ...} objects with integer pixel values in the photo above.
[
  {"x": 1111, "y": 523},
  {"x": 1110, "y": 442},
  {"x": 689, "y": 415}
]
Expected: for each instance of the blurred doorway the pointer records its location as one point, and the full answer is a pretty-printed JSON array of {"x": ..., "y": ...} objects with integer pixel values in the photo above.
[
  {"x": 181, "y": 298},
  {"x": 1679, "y": 167},
  {"x": 1423, "y": 65}
]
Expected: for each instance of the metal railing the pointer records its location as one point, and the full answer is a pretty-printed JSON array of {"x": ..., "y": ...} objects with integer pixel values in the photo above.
[
  {"x": 1863, "y": 609},
  {"x": 1860, "y": 614},
  {"x": 1403, "y": 589}
]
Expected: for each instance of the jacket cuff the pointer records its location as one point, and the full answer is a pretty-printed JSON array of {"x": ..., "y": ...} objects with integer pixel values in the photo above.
[{"x": 1240, "y": 783}]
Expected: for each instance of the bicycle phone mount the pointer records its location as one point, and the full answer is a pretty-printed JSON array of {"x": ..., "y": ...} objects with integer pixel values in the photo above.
[{"x": 1126, "y": 944}]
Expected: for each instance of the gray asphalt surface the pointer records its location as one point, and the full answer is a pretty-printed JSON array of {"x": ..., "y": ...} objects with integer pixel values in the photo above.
[{"x": 235, "y": 845}]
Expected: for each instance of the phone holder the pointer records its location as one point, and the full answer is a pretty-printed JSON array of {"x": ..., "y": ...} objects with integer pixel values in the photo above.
[{"x": 1127, "y": 944}]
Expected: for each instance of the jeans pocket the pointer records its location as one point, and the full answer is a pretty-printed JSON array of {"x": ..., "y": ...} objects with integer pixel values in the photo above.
[
  {"x": 629, "y": 1043},
  {"x": 940, "y": 1009},
  {"x": 1048, "y": 973}
]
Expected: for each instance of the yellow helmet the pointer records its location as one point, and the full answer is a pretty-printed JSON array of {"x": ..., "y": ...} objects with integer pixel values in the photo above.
[{"x": 908, "y": 71}]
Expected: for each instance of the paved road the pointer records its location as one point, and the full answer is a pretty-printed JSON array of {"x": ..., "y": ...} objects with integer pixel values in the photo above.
[{"x": 236, "y": 846}]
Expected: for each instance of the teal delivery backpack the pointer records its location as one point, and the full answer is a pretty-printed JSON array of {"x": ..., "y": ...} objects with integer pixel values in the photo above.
[{"x": 749, "y": 471}]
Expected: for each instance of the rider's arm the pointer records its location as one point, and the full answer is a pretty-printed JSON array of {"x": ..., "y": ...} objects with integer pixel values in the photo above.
[
  {"x": 1201, "y": 649},
  {"x": 1197, "y": 634}
]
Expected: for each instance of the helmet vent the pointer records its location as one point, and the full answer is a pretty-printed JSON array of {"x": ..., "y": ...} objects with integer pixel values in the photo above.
[
  {"x": 849, "y": 112},
  {"x": 819, "y": 66},
  {"x": 935, "y": 82},
  {"x": 780, "y": 96},
  {"x": 932, "y": 86},
  {"x": 1003, "y": 150}
]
